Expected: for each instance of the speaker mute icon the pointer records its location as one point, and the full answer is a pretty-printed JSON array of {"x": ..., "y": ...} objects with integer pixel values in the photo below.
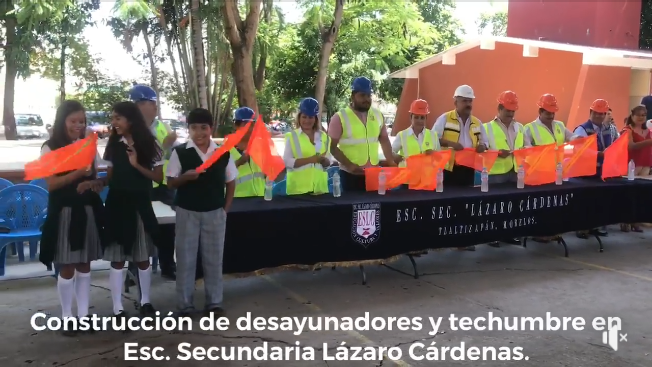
[{"x": 612, "y": 337}]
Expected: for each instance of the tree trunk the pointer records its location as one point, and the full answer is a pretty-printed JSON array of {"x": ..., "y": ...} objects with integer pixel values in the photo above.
[
  {"x": 198, "y": 53},
  {"x": 229, "y": 102},
  {"x": 152, "y": 68},
  {"x": 168, "y": 43},
  {"x": 259, "y": 80},
  {"x": 62, "y": 71},
  {"x": 328, "y": 42},
  {"x": 11, "y": 71}
]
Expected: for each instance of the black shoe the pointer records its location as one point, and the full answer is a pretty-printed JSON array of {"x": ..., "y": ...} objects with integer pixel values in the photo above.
[
  {"x": 121, "y": 315},
  {"x": 147, "y": 310},
  {"x": 216, "y": 311},
  {"x": 599, "y": 232},
  {"x": 90, "y": 329},
  {"x": 582, "y": 235},
  {"x": 513, "y": 241},
  {"x": 494, "y": 244}
]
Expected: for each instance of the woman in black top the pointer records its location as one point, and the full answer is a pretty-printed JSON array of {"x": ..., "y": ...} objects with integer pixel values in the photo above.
[
  {"x": 135, "y": 160},
  {"x": 72, "y": 230}
]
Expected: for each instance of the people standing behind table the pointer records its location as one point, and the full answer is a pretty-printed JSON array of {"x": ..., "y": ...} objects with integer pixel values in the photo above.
[
  {"x": 357, "y": 132},
  {"x": 416, "y": 139},
  {"x": 251, "y": 179},
  {"x": 73, "y": 227},
  {"x": 307, "y": 152},
  {"x": 545, "y": 129},
  {"x": 202, "y": 203},
  {"x": 134, "y": 160}
]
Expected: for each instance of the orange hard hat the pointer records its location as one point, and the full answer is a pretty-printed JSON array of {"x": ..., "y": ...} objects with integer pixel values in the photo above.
[
  {"x": 548, "y": 102},
  {"x": 509, "y": 100},
  {"x": 419, "y": 107},
  {"x": 600, "y": 106}
]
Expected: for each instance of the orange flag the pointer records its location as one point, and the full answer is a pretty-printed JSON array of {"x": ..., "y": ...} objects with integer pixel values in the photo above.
[
  {"x": 394, "y": 177},
  {"x": 616, "y": 157},
  {"x": 229, "y": 143},
  {"x": 263, "y": 152},
  {"x": 72, "y": 157},
  {"x": 539, "y": 163},
  {"x": 423, "y": 169},
  {"x": 579, "y": 157},
  {"x": 469, "y": 158}
]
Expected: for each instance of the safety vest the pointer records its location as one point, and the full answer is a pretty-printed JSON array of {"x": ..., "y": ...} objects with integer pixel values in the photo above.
[
  {"x": 310, "y": 177},
  {"x": 452, "y": 132},
  {"x": 410, "y": 144},
  {"x": 161, "y": 134},
  {"x": 541, "y": 135},
  {"x": 498, "y": 141},
  {"x": 250, "y": 181},
  {"x": 359, "y": 141}
]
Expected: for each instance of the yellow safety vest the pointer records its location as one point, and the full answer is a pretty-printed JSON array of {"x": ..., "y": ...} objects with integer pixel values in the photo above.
[
  {"x": 498, "y": 141},
  {"x": 452, "y": 132},
  {"x": 541, "y": 135},
  {"x": 250, "y": 181},
  {"x": 310, "y": 178},
  {"x": 161, "y": 134},
  {"x": 410, "y": 143},
  {"x": 359, "y": 141}
]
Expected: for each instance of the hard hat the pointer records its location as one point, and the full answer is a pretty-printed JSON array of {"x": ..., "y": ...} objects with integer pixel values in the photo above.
[
  {"x": 361, "y": 84},
  {"x": 600, "y": 106},
  {"x": 509, "y": 100},
  {"x": 419, "y": 107},
  {"x": 548, "y": 102},
  {"x": 309, "y": 107},
  {"x": 244, "y": 114},
  {"x": 142, "y": 92},
  {"x": 464, "y": 91}
]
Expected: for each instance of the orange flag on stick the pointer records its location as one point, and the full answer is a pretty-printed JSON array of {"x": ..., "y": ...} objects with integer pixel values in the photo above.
[
  {"x": 423, "y": 169},
  {"x": 470, "y": 158},
  {"x": 72, "y": 157},
  {"x": 263, "y": 152},
  {"x": 579, "y": 157},
  {"x": 229, "y": 143},
  {"x": 539, "y": 163},
  {"x": 394, "y": 177},
  {"x": 616, "y": 157}
]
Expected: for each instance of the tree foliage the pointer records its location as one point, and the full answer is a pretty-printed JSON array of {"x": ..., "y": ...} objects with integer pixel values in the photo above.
[{"x": 493, "y": 23}]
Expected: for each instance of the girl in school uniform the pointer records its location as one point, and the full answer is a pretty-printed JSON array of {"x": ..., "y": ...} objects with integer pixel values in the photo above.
[
  {"x": 134, "y": 160},
  {"x": 72, "y": 230}
]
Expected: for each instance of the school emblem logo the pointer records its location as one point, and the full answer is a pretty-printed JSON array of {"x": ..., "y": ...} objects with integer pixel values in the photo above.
[{"x": 365, "y": 224}]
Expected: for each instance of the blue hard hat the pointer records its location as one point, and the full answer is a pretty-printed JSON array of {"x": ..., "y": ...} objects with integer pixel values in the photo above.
[
  {"x": 244, "y": 114},
  {"x": 361, "y": 85},
  {"x": 309, "y": 107},
  {"x": 142, "y": 92}
]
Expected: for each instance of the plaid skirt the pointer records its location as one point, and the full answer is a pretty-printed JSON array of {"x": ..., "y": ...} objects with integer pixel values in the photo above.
[
  {"x": 92, "y": 246},
  {"x": 142, "y": 249}
]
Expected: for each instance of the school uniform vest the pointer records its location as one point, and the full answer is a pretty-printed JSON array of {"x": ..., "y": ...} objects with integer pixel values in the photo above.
[
  {"x": 251, "y": 179},
  {"x": 604, "y": 137},
  {"x": 410, "y": 143},
  {"x": 206, "y": 193},
  {"x": 310, "y": 178},
  {"x": 453, "y": 129},
  {"x": 498, "y": 141}
]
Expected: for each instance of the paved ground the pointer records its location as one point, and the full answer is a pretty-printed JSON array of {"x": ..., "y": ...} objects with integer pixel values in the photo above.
[{"x": 508, "y": 282}]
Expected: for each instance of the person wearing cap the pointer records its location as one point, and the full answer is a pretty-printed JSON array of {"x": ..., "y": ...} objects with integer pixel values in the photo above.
[
  {"x": 545, "y": 129},
  {"x": 251, "y": 179},
  {"x": 459, "y": 129},
  {"x": 307, "y": 152},
  {"x": 416, "y": 139},
  {"x": 145, "y": 98},
  {"x": 357, "y": 132}
]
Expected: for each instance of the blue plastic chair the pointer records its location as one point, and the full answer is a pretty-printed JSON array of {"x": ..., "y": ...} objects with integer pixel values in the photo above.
[
  {"x": 279, "y": 189},
  {"x": 23, "y": 209},
  {"x": 33, "y": 246},
  {"x": 4, "y": 183},
  {"x": 40, "y": 183}
]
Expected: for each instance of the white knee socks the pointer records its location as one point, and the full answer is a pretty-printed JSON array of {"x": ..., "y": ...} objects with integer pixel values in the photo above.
[
  {"x": 66, "y": 289},
  {"x": 145, "y": 277},
  {"x": 82, "y": 292},
  {"x": 115, "y": 284}
]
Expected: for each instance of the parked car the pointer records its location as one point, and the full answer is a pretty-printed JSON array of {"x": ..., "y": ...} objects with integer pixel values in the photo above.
[
  {"x": 101, "y": 129},
  {"x": 30, "y": 126}
]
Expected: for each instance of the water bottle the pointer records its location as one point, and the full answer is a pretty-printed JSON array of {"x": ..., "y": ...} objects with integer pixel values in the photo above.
[
  {"x": 382, "y": 179},
  {"x": 440, "y": 180},
  {"x": 337, "y": 189},
  {"x": 484, "y": 180},
  {"x": 520, "y": 177},
  {"x": 631, "y": 170},
  {"x": 269, "y": 187},
  {"x": 560, "y": 174}
]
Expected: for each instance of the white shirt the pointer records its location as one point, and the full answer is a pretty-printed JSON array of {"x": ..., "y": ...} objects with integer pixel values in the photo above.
[
  {"x": 465, "y": 137},
  {"x": 174, "y": 165},
  {"x": 98, "y": 159},
  {"x": 158, "y": 162},
  {"x": 528, "y": 140},
  {"x": 397, "y": 144},
  {"x": 288, "y": 155}
]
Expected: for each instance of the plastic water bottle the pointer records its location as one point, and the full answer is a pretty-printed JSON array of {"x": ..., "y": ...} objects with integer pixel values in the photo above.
[
  {"x": 337, "y": 188},
  {"x": 520, "y": 177},
  {"x": 560, "y": 174},
  {"x": 440, "y": 180},
  {"x": 382, "y": 179},
  {"x": 484, "y": 180},
  {"x": 631, "y": 170},
  {"x": 269, "y": 188}
]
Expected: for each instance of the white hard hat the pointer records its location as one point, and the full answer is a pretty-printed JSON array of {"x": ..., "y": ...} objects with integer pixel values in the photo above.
[{"x": 464, "y": 91}]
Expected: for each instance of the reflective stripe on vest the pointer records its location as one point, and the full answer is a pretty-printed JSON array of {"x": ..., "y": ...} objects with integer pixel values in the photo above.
[
  {"x": 452, "y": 133},
  {"x": 542, "y": 136},
  {"x": 359, "y": 141},
  {"x": 498, "y": 141},
  {"x": 161, "y": 134},
  {"x": 250, "y": 181},
  {"x": 410, "y": 144},
  {"x": 310, "y": 177}
]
